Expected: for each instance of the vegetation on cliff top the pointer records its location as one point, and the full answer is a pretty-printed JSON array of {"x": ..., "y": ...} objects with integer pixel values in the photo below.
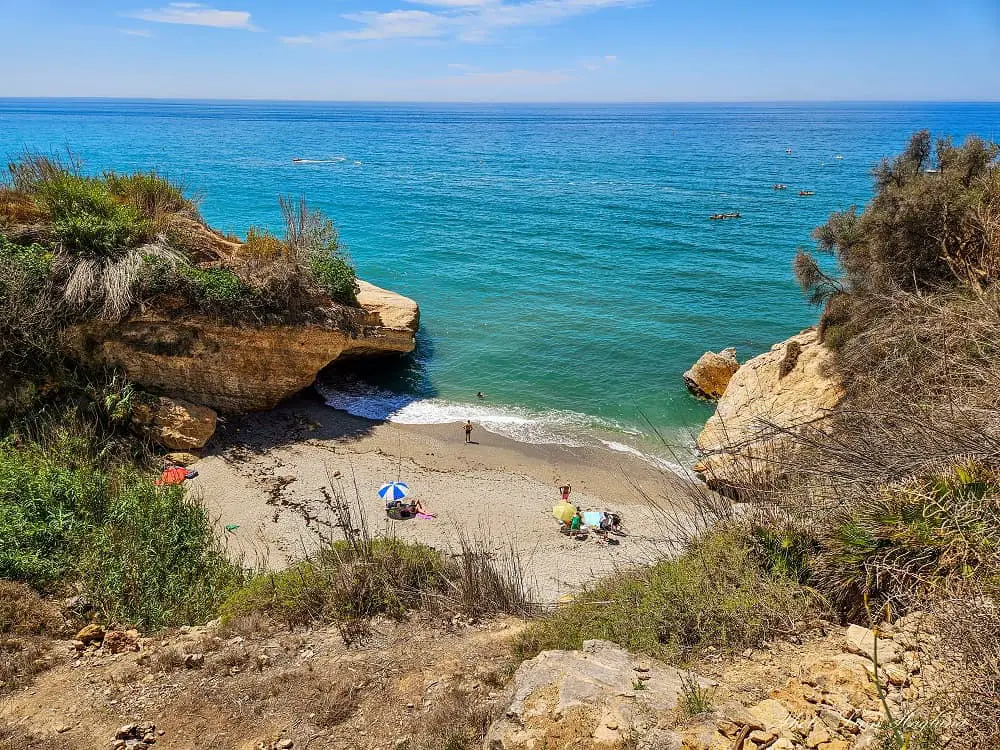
[{"x": 78, "y": 247}]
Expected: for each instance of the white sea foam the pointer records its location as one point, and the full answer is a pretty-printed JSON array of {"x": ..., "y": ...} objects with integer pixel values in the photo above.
[
  {"x": 657, "y": 461},
  {"x": 378, "y": 404},
  {"x": 334, "y": 160},
  {"x": 547, "y": 428}
]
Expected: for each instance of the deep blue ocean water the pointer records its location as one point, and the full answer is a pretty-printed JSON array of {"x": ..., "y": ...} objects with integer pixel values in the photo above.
[{"x": 561, "y": 254}]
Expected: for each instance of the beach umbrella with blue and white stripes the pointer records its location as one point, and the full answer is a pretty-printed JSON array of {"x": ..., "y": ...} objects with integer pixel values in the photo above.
[{"x": 393, "y": 491}]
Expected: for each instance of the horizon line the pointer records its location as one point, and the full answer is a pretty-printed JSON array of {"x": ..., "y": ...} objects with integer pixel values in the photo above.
[{"x": 495, "y": 101}]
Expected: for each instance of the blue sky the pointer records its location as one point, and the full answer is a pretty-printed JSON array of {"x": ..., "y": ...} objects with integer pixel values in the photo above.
[{"x": 503, "y": 50}]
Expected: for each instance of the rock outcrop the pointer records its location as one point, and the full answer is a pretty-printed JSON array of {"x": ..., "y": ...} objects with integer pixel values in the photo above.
[
  {"x": 594, "y": 698},
  {"x": 788, "y": 387},
  {"x": 235, "y": 368},
  {"x": 709, "y": 376},
  {"x": 173, "y": 423},
  {"x": 833, "y": 701}
]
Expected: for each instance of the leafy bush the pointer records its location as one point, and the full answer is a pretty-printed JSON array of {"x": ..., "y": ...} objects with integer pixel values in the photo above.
[
  {"x": 216, "y": 289},
  {"x": 295, "y": 596},
  {"x": 345, "y": 583},
  {"x": 147, "y": 556},
  {"x": 87, "y": 219},
  {"x": 26, "y": 327},
  {"x": 154, "y": 560},
  {"x": 313, "y": 240},
  {"x": 336, "y": 276},
  {"x": 715, "y": 594},
  {"x": 926, "y": 229}
]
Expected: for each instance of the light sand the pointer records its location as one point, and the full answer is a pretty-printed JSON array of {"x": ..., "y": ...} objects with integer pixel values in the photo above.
[{"x": 269, "y": 473}]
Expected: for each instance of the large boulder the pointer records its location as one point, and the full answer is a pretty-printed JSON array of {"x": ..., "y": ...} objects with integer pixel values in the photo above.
[
  {"x": 790, "y": 387},
  {"x": 234, "y": 368},
  {"x": 595, "y": 698},
  {"x": 173, "y": 423},
  {"x": 709, "y": 376}
]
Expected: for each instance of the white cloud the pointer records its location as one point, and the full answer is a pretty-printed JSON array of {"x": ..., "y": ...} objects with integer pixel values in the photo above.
[
  {"x": 455, "y": 3},
  {"x": 396, "y": 24},
  {"x": 599, "y": 63},
  {"x": 136, "y": 32},
  {"x": 196, "y": 14},
  {"x": 464, "y": 20}
]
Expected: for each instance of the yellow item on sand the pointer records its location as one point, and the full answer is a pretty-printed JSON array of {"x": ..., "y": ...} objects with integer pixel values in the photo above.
[{"x": 564, "y": 512}]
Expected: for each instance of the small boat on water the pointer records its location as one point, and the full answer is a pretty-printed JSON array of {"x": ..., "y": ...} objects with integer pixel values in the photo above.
[
  {"x": 733, "y": 215},
  {"x": 779, "y": 186},
  {"x": 805, "y": 193},
  {"x": 297, "y": 159}
]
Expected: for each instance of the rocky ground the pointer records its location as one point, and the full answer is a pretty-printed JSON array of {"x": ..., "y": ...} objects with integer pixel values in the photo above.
[{"x": 438, "y": 683}]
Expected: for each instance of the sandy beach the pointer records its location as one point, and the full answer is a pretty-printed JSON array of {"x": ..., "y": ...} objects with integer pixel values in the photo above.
[{"x": 270, "y": 475}]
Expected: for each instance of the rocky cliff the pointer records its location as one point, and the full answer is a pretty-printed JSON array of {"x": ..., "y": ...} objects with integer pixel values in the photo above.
[
  {"x": 788, "y": 387},
  {"x": 236, "y": 368}
]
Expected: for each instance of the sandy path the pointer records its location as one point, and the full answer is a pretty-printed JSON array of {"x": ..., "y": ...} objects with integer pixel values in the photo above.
[{"x": 269, "y": 473}]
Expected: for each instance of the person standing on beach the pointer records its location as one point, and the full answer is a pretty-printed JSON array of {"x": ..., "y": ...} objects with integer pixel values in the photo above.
[
  {"x": 564, "y": 491},
  {"x": 468, "y": 431}
]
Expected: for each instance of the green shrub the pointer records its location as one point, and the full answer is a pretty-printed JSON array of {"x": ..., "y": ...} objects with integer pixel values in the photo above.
[
  {"x": 784, "y": 551},
  {"x": 147, "y": 193},
  {"x": 337, "y": 278},
  {"x": 47, "y": 502},
  {"x": 295, "y": 596},
  {"x": 347, "y": 582},
  {"x": 87, "y": 219},
  {"x": 154, "y": 560},
  {"x": 147, "y": 556},
  {"x": 716, "y": 594},
  {"x": 216, "y": 288}
]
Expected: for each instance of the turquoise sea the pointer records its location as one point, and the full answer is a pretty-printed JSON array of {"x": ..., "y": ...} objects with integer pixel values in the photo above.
[{"x": 562, "y": 254}]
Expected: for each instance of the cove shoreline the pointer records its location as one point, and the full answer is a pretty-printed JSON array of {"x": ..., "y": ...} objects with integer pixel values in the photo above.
[{"x": 270, "y": 474}]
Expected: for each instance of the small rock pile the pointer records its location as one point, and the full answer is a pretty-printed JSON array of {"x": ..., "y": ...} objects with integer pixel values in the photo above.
[
  {"x": 832, "y": 705},
  {"x": 135, "y": 737},
  {"x": 279, "y": 744},
  {"x": 94, "y": 637}
]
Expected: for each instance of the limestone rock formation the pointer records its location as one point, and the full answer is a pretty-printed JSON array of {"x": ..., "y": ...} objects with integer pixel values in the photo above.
[
  {"x": 594, "y": 698},
  {"x": 709, "y": 376},
  {"x": 790, "y": 386},
  {"x": 236, "y": 368},
  {"x": 174, "y": 423}
]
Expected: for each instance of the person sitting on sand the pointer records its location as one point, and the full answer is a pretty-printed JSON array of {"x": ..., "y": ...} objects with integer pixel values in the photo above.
[
  {"x": 468, "y": 431},
  {"x": 576, "y": 523},
  {"x": 418, "y": 509},
  {"x": 406, "y": 509}
]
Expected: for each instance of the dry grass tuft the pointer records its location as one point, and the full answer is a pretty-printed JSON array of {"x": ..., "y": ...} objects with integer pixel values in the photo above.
[{"x": 24, "y": 612}]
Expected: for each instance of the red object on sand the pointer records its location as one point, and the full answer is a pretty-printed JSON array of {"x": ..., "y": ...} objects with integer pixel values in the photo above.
[{"x": 173, "y": 475}]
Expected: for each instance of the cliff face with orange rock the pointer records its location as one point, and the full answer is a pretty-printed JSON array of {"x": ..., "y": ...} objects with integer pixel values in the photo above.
[
  {"x": 235, "y": 368},
  {"x": 789, "y": 387}
]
